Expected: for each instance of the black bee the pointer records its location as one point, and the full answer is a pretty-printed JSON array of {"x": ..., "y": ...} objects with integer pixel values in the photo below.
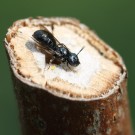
[{"x": 51, "y": 45}]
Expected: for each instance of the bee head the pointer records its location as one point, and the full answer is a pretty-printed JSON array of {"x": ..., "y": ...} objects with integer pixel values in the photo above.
[{"x": 73, "y": 60}]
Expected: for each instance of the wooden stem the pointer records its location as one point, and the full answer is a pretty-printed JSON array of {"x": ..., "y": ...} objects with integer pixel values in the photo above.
[{"x": 45, "y": 113}]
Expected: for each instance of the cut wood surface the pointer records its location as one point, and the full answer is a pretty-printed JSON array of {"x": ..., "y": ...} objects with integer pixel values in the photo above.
[{"x": 90, "y": 99}]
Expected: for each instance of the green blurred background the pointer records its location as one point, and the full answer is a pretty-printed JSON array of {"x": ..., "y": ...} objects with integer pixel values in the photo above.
[{"x": 113, "y": 21}]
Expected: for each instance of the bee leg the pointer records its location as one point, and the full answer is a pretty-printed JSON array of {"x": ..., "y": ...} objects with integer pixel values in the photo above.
[
  {"x": 51, "y": 60},
  {"x": 69, "y": 67}
]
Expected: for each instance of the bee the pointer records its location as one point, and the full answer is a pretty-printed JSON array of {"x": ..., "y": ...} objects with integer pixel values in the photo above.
[{"x": 47, "y": 42}]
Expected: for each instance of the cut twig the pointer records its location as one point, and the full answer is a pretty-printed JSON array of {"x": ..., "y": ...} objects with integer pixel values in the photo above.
[{"x": 90, "y": 99}]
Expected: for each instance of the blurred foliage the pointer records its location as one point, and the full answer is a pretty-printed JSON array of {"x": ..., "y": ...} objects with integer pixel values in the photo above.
[{"x": 114, "y": 21}]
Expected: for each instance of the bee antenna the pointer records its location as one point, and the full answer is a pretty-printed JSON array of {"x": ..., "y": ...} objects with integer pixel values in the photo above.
[{"x": 81, "y": 50}]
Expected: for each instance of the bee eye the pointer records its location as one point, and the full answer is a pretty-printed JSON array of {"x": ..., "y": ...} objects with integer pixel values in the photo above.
[{"x": 75, "y": 58}]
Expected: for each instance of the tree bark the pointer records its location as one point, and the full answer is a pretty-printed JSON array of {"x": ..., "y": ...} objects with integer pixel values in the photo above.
[{"x": 43, "y": 111}]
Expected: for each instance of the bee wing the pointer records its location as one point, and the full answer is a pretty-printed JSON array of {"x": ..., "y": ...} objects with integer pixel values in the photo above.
[
  {"x": 43, "y": 49},
  {"x": 47, "y": 50}
]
